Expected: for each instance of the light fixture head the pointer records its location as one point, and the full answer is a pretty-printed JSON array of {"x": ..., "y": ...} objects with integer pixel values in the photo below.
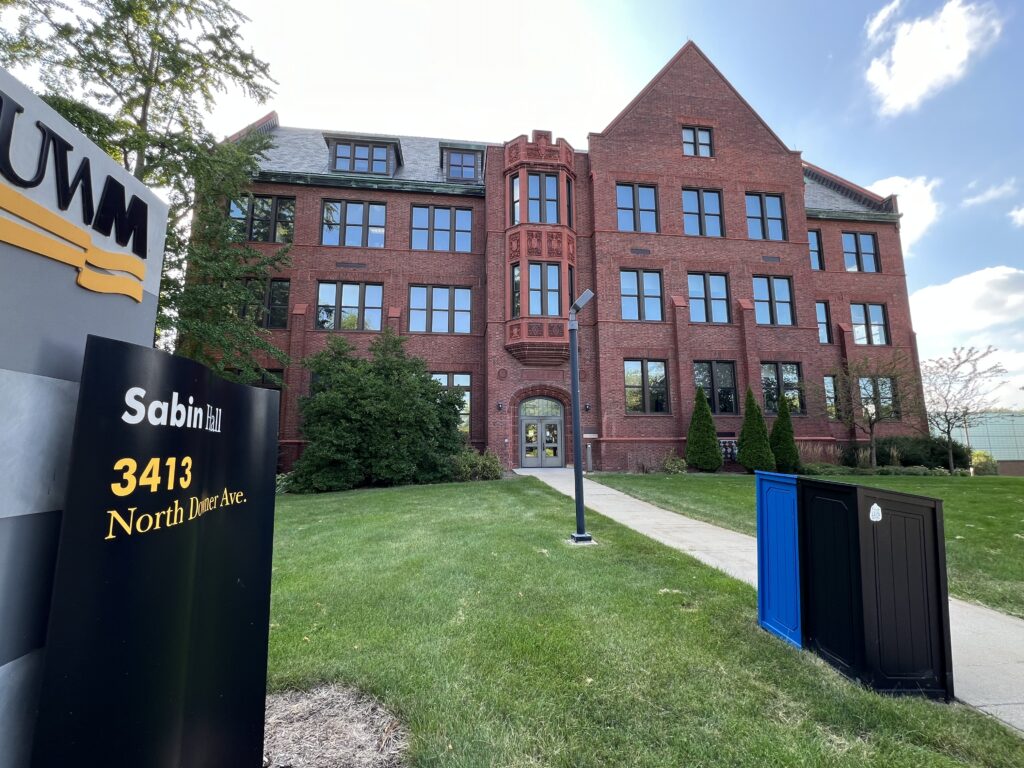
[{"x": 582, "y": 301}]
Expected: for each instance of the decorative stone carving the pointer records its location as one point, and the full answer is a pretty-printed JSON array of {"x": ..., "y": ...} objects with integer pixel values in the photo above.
[
  {"x": 513, "y": 246},
  {"x": 533, "y": 243},
  {"x": 513, "y": 153},
  {"x": 535, "y": 329},
  {"x": 571, "y": 247},
  {"x": 502, "y": 373},
  {"x": 556, "y": 329},
  {"x": 515, "y": 331},
  {"x": 554, "y": 245}
]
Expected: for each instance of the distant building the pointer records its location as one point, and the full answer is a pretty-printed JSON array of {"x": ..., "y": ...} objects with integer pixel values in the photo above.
[
  {"x": 1002, "y": 435},
  {"x": 720, "y": 259}
]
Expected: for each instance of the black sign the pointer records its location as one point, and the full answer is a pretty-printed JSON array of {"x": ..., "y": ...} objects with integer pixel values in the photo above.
[{"x": 157, "y": 647}]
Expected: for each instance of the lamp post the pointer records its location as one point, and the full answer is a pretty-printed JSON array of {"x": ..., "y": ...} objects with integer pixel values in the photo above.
[{"x": 581, "y": 536}]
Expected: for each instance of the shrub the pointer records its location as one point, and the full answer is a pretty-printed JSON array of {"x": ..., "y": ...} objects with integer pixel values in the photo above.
[
  {"x": 755, "y": 452},
  {"x": 920, "y": 451},
  {"x": 984, "y": 464},
  {"x": 782, "y": 441},
  {"x": 282, "y": 483},
  {"x": 673, "y": 463},
  {"x": 469, "y": 465},
  {"x": 382, "y": 421},
  {"x": 702, "y": 448}
]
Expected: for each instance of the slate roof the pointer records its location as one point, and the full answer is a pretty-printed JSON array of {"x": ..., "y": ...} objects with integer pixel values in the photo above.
[
  {"x": 304, "y": 150},
  {"x": 826, "y": 194}
]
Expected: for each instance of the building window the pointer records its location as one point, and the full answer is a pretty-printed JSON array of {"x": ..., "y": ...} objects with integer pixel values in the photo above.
[
  {"x": 697, "y": 141},
  {"x": 773, "y": 301},
  {"x": 637, "y": 207},
  {"x": 718, "y": 380},
  {"x": 702, "y": 212},
  {"x": 765, "y": 218},
  {"x": 641, "y": 295},
  {"x": 462, "y": 165},
  {"x": 463, "y": 382},
  {"x": 516, "y": 287},
  {"x": 545, "y": 289},
  {"x": 860, "y": 252},
  {"x": 709, "y": 297},
  {"x": 514, "y": 197},
  {"x": 878, "y": 398},
  {"x": 542, "y": 204},
  {"x": 814, "y": 244},
  {"x": 363, "y": 224},
  {"x": 646, "y": 386},
  {"x": 361, "y": 158},
  {"x": 263, "y": 219},
  {"x": 782, "y": 379},
  {"x": 831, "y": 398},
  {"x": 439, "y": 309},
  {"x": 360, "y": 307},
  {"x": 269, "y": 305},
  {"x": 824, "y": 322},
  {"x": 869, "y": 325},
  {"x": 442, "y": 229},
  {"x": 568, "y": 200}
]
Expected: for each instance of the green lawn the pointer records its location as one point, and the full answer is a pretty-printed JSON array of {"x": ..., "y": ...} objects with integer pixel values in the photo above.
[
  {"x": 463, "y": 609},
  {"x": 984, "y": 520}
]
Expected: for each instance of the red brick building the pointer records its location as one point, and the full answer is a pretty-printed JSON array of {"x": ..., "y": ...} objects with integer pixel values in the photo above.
[{"x": 718, "y": 257}]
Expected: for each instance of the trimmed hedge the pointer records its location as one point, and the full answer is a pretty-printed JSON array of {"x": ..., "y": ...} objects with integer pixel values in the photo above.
[
  {"x": 703, "y": 451},
  {"x": 783, "y": 442},
  {"x": 755, "y": 452}
]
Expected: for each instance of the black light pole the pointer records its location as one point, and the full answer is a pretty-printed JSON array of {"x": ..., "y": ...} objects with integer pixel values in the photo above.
[{"x": 581, "y": 536}]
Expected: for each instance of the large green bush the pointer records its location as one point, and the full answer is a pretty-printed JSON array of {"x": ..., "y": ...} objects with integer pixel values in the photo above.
[
  {"x": 913, "y": 451},
  {"x": 382, "y": 421},
  {"x": 984, "y": 463},
  {"x": 703, "y": 451},
  {"x": 755, "y": 452},
  {"x": 783, "y": 442},
  {"x": 471, "y": 465}
]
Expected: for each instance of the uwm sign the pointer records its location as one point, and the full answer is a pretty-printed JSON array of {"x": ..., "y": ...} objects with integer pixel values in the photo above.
[{"x": 59, "y": 200}]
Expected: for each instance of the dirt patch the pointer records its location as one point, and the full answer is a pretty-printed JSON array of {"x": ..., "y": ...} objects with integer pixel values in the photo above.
[{"x": 331, "y": 727}]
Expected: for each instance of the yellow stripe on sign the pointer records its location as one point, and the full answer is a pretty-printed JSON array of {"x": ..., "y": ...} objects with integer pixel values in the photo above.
[{"x": 80, "y": 257}]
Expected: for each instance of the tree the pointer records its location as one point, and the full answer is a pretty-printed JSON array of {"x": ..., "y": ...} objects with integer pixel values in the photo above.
[
  {"x": 755, "y": 452},
  {"x": 136, "y": 76},
  {"x": 218, "y": 307},
  {"x": 887, "y": 389},
  {"x": 958, "y": 389},
  {"x": 702, "y": 448},
  {"x": 382, "y": 421},
  {"x": 782, "y": 440}
]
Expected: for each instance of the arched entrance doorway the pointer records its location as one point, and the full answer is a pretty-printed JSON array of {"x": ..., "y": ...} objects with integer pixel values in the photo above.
[{"x": 540, "y": 433}]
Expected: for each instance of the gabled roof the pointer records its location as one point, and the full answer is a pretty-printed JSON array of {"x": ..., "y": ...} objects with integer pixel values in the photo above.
[{"x": 689, "y": 47}]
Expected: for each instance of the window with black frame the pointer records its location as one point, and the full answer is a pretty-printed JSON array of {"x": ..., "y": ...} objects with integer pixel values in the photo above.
[
  {"x": 782, "y": 380},
  {"x": 463, "y": 381},
  {"x": 353, "y": 223},
  {"x": 709, "y": 297},
  {"x": 361, "y": 158},
  {"x": 824, "y": 319},
  {"x": 702, "y": 212},
  {"x": 773, "y": 300},
  {"x": 437, "y": 228},
  {"x": 878, "y": 398},
  {"x": 349, "y": 306},
  {"x": 766, "y": 218},
  {"x": 545, "y": 292},
  {"x": 439, "y": 309},
  {"x": 462, "y": 165},
  {"x": 262, "y": 219},
  {"x": 814, "y": 247},
  {"x": 697, "y": 141},
  {"x": 641, "y": 295},
  {"x": 636, "y": 207},
  {"x": 542, "y": 198},
  {"x": 831, "y": 398},
  {"x": 646, "y": 383},
  {"x": 718, "y": 380},
  {"x": 869, "y": 324},
  {"x": 860, "y": 252},
  {"x": 269, "y": 304}
]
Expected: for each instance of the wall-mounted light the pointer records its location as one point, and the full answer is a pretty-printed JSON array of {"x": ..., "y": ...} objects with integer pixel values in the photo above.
[
  {"x": 586, "y": 407},
  {"x": 501, "y": 406}
]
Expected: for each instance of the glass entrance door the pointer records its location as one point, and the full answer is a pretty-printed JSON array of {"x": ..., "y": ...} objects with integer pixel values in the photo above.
[{"x": 540, "y": 433}]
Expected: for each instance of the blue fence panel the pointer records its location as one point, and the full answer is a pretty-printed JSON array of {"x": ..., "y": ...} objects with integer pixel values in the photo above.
[{"x": 778, "y": 557}]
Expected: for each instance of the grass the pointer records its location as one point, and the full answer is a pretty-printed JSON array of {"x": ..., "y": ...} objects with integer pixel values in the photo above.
[
  {"x": 984, "y": 521},
  {"x": 463, "y": 609}
]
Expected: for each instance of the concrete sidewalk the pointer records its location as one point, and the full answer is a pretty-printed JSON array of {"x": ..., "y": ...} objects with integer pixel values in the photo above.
[{"x": 988, "y": 646}]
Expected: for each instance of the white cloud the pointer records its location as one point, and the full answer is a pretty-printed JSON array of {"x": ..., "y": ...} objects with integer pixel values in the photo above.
[
  {"x": 995, "y": 192},
  {"x": 1017, "y": 216},
  {"x": 876, "y": 25},
  {"x": 930, "y": 53},
  {"x": 976, "y": 309},
  {"x": 916, "y": 202}
]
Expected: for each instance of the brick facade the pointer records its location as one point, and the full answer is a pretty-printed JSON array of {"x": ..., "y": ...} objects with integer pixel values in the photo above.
[{"x": 514, "y": 359}]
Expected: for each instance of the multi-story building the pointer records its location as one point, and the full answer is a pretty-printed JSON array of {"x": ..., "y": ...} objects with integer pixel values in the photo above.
[{"x": 718, "y": 258}]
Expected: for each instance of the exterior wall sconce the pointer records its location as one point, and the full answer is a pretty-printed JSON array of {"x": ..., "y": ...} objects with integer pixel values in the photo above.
[
  {"x": 586, "y": 407},
  {"x": 501, "y": 406}
]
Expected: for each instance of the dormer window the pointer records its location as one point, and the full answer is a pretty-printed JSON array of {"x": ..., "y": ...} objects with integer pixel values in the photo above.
[
  {"x": 361, "y": 158},
  {"x": 463, "y": 165}
]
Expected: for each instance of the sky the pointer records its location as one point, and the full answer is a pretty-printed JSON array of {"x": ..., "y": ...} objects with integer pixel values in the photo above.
[{"x": 921, "y": 98}]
